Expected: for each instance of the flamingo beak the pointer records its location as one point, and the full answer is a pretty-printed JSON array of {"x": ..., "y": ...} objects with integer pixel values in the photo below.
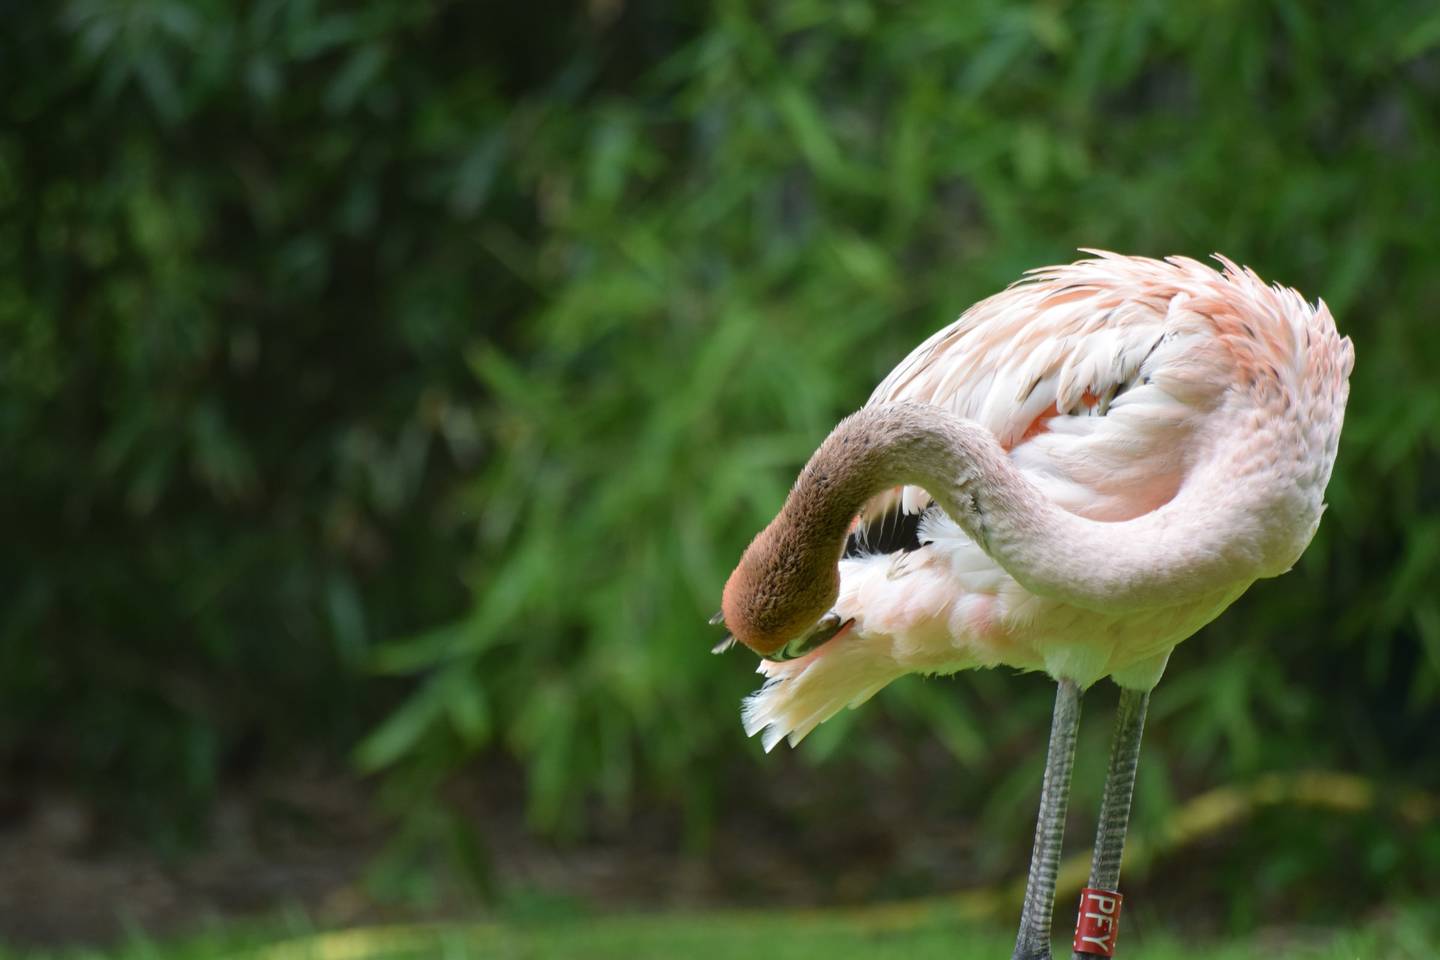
[{"x": 829, "y": 627}]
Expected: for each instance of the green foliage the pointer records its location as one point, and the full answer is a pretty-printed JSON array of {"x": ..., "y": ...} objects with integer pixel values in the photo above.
[
  {"x": 232, "y": 379},
  {"x": 736, "y": 240},
  {"x": 501, "y": 330}
]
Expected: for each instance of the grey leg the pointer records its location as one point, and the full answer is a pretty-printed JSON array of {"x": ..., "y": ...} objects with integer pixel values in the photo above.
[
  {"x": 1119, "y": 786},
  {"x": 1033, "y": 941}
]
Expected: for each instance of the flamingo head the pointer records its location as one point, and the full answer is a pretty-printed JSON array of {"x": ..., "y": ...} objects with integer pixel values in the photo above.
[{"x": 781, "y": 592}]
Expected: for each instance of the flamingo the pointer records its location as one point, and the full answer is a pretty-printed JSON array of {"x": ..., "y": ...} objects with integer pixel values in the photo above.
[{"x": 1074, "y": 476}]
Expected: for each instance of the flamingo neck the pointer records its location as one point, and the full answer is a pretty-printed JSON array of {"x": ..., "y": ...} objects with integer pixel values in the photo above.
[{"x": 788, "y": 578}]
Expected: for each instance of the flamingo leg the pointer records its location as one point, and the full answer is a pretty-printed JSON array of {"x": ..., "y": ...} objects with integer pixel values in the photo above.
[
  {"x": 1119, "y": 787},
  {"x": 1033, "y": 940}
]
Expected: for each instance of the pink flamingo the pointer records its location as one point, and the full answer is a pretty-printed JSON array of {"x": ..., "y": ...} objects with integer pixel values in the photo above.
[{"x": 1073, "y": 477}]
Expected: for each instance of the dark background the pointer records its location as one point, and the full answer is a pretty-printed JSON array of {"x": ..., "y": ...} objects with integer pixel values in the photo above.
[{"x": 387, "y": 389}]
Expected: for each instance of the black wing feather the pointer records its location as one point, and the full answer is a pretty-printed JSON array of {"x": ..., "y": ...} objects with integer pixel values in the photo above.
[{"x": 889, "y": 532}]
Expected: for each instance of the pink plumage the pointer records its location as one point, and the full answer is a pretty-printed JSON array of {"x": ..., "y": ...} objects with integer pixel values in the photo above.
[{"x": 1165, "y": 404}]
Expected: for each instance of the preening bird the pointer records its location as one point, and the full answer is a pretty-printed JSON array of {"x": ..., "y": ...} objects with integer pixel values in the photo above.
[{"x": 1074, "y": 476}]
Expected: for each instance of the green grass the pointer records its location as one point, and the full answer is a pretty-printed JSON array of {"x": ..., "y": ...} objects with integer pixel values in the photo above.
[{"x": 1402, "y": 935}]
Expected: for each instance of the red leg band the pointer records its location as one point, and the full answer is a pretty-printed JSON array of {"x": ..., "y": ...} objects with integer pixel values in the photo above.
[{"x": 1099, "y": 922}]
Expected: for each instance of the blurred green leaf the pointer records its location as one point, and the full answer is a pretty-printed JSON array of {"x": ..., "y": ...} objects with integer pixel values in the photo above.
[{"x": 403, "y": 731}]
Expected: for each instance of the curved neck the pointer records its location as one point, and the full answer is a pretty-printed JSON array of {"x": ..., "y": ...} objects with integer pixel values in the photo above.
[{"x": 1194, "y": 545}]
